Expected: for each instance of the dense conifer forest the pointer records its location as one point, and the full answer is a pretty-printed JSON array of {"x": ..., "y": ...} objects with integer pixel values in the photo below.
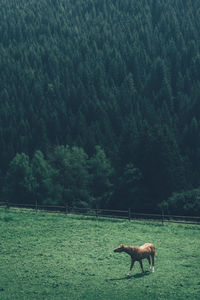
[{"x": 100, "y": 103}]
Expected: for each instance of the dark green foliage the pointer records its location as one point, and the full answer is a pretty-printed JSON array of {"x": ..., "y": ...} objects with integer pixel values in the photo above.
[
  {"x": 129, "y": 191},
  {"x": 20, "y": 182},
  {"x": 67, "y": 177},
  {"x": 160, "y": 162},
  {"x": 45, "y": 190},
  {"x": 71, "y": 166},
  {"x": 186, "y": 203},
  {"x": 101, "y": 176},
  {"x": 120, "y": 74}
]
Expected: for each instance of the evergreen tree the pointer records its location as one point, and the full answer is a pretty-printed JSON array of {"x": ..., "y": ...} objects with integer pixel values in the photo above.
[
  {"x": 129, "y": 192},
  {"x": 71, "y": 165},
  {"x": 74, "y": 72},
  {"x": 46, "y": 190},
  {"x": 20, "y": 183},
  {"x": 101, "y": 174}
]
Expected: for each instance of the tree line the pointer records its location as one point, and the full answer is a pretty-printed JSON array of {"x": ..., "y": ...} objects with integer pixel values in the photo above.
[
  {"x": 66, "y": 177},
  {"x": 124, "y": 75}
]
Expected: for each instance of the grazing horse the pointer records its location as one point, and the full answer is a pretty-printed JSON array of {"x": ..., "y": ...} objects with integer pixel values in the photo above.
[{"x": 138, "y": 253}]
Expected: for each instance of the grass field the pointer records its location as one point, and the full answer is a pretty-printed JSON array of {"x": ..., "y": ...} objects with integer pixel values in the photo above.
[{"x": 55, "y": 256}]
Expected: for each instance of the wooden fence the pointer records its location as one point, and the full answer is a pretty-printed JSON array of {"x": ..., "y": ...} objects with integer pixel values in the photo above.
[{"x": 120, "y": 214}]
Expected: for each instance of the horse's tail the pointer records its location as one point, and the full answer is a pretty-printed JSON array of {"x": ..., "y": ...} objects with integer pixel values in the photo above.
[{"x": 153, "y": 249}]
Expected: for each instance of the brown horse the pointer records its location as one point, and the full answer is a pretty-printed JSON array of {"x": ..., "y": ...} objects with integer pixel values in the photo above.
[{"x": 138, "y": 253}]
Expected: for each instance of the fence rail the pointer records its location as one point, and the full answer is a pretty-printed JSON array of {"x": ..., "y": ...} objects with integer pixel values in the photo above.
[{"x": 120, "y": 214}]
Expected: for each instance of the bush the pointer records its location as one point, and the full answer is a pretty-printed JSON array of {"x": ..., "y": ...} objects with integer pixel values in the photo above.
[{"x": 185, "y": 203}]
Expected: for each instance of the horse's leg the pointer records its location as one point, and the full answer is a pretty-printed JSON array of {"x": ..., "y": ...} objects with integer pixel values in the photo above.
[
  {"x": 152, "y": 256},
  {"x": 132, "y": 263},
  {"x": 149, "y": 260},
  {"x": 140, "y": 261}
]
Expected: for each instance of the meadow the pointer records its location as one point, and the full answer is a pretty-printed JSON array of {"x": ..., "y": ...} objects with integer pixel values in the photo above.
[{"x": 57, "y": 256}]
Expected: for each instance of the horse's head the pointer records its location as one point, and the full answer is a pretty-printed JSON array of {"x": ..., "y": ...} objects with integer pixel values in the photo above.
[{"x": 119, "y": 249}]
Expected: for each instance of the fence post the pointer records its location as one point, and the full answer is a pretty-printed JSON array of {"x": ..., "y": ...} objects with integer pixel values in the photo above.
[
  {"x": 66, "y": 208},
  {"x": 162, "y": 217},
  {"x": 129, "y": 214},
  {"x": 36, "y": 206}
]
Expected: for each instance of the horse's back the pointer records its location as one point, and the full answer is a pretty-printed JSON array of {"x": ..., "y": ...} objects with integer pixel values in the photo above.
[{"x": 149, "y": 246}]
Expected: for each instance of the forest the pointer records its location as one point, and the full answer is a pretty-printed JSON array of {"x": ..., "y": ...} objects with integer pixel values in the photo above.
[{"x": 100, "y": 103}]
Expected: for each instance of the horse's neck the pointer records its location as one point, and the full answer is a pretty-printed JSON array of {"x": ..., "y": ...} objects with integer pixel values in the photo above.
[{"x": 129, "y": 250}]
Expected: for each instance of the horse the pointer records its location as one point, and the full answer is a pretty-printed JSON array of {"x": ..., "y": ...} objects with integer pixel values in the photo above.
[{"x": 138, "y": 253}]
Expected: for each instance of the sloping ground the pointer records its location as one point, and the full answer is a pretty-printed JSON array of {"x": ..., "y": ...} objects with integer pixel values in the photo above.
[{"x": 53, "y": 256}]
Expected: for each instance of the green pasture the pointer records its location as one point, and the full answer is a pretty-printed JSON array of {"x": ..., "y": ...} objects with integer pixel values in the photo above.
[{"x": 55, "y": 256}]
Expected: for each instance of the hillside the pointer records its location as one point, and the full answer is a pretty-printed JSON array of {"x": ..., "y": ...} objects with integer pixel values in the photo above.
[
  {"x": 54, "y": 256},
  {"x": 123, "y": 75}
]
